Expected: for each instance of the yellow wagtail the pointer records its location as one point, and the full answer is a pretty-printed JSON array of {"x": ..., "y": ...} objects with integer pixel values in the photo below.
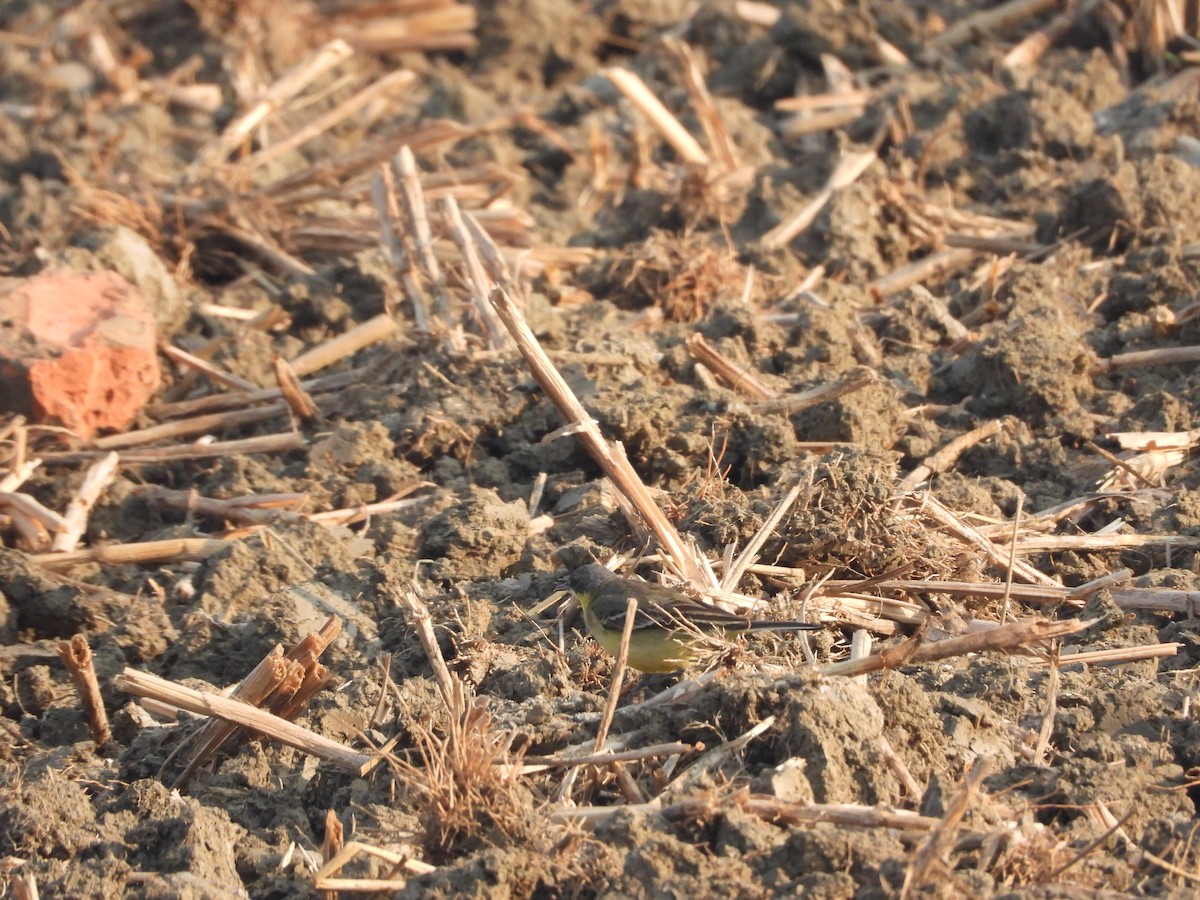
[{"x": 667, "y": 626}]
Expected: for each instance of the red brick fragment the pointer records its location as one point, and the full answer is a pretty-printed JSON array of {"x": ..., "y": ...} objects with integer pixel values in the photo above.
[{"x": 76, "y": 350}]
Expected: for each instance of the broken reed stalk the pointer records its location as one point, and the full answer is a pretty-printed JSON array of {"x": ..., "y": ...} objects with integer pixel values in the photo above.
[
  {"x": 412, "y": 197},
  {"x": 848, "y": 170},
  {"x": 940, "y": 837},
  {"x": 927, "y": 268},
  {"x": 299, "y": 401},
  {"x": 715, "y": 757},
  {"x": 24, "y": 886},
  {"x": 946, "y": 458},
  {"x": 173, "y": 550},
  {"x": 77, "y": 657},
  {"x": 316, "y": 678},
  {"x": 383, "y": 196},
  {"x": 425, "y": 25},
  {"x": 932, "y": 508},
  {"x": 203, "y": 424},
  {"x": 332, "y": 845},
  {"x": 736, "y": 569},
  {"x": 715, "y": 131},
  {"x": 99, "y": 476},
  {"x": 423, "y": 624},
  {"x": 1117, "y": 655},
  {"x": 668, "y": 127},
  {"x": 266, "y": 443},
  {"x": 831, "y": 100},
  {"x": 489, "y": 253},
  {"x": 610, "y": 457},
  {"x": 253, "y": 689},
  {"x": 346, "y": 344},
  {"x": 297, "y": 188},
  {"x": 477, "y": 281},
  {"x": 739, "y": 378},
  {"x": 33, "y": 534},
  {"x": 255, "y": 509},
  {"x": 354, "y": 514},
  {"x": 1112, "y": 579},
  {"x": 19, "y": 475},
  {"x": 393, "y": 82},
  {"x": 899, "y": 769},
  {"x": 806, "y": 123},
  {"x": 1162, "y": 356},
  {"x": 1031, "y": 48},
  {"x": 203, "y": 703},
  {"x": 1052, "y": 543},
  {"x": 293, "y": 83},
  {"x": 1043, "y": 741},
  {"x": 27, "y": 506},
  {"x": 397, "y": 859},
  {"x": 995, "y": 640},
  {"x": 1166, "y": 600}
]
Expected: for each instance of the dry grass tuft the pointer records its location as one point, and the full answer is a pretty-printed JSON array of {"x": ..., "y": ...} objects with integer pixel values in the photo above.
[
  {"x": 683, "y": 276},
  {"x": 467, "y": 786}
]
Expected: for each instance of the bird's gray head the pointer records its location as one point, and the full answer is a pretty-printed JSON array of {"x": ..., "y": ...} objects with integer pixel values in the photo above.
[{"x": 590, "y": 578}]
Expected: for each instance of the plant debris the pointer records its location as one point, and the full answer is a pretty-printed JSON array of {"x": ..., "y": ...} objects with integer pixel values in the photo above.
[{"x": 884, "y": 321}]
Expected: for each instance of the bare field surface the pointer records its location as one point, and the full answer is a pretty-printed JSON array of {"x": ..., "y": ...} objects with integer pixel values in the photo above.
[{"x": 880, "y": 317}]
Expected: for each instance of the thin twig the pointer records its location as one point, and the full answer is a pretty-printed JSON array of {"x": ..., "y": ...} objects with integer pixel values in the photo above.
[
  {"x": 211, "y": 370},
  {"x": 533, "y": 764},
  {"x": 733, "y": 574},
  {"x": 854, "y": 380},
  {"x": 618, "y": 675},
  {"x": 741, "y": 379},
  {"x": 610, "y": 458},
  {"x": 1003, "y": 638},
  {"x": 1043, "y": 741}
]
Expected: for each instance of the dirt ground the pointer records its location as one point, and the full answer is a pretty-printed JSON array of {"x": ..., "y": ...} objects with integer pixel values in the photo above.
[{"x": 1020, "y": 231}]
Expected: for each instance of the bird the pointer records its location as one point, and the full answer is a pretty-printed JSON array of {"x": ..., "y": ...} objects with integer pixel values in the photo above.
[{"x": 668, "y": 626}]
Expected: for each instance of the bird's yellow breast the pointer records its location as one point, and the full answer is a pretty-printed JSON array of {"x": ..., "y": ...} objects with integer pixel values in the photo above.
[{"x": 654, "y": 651}]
